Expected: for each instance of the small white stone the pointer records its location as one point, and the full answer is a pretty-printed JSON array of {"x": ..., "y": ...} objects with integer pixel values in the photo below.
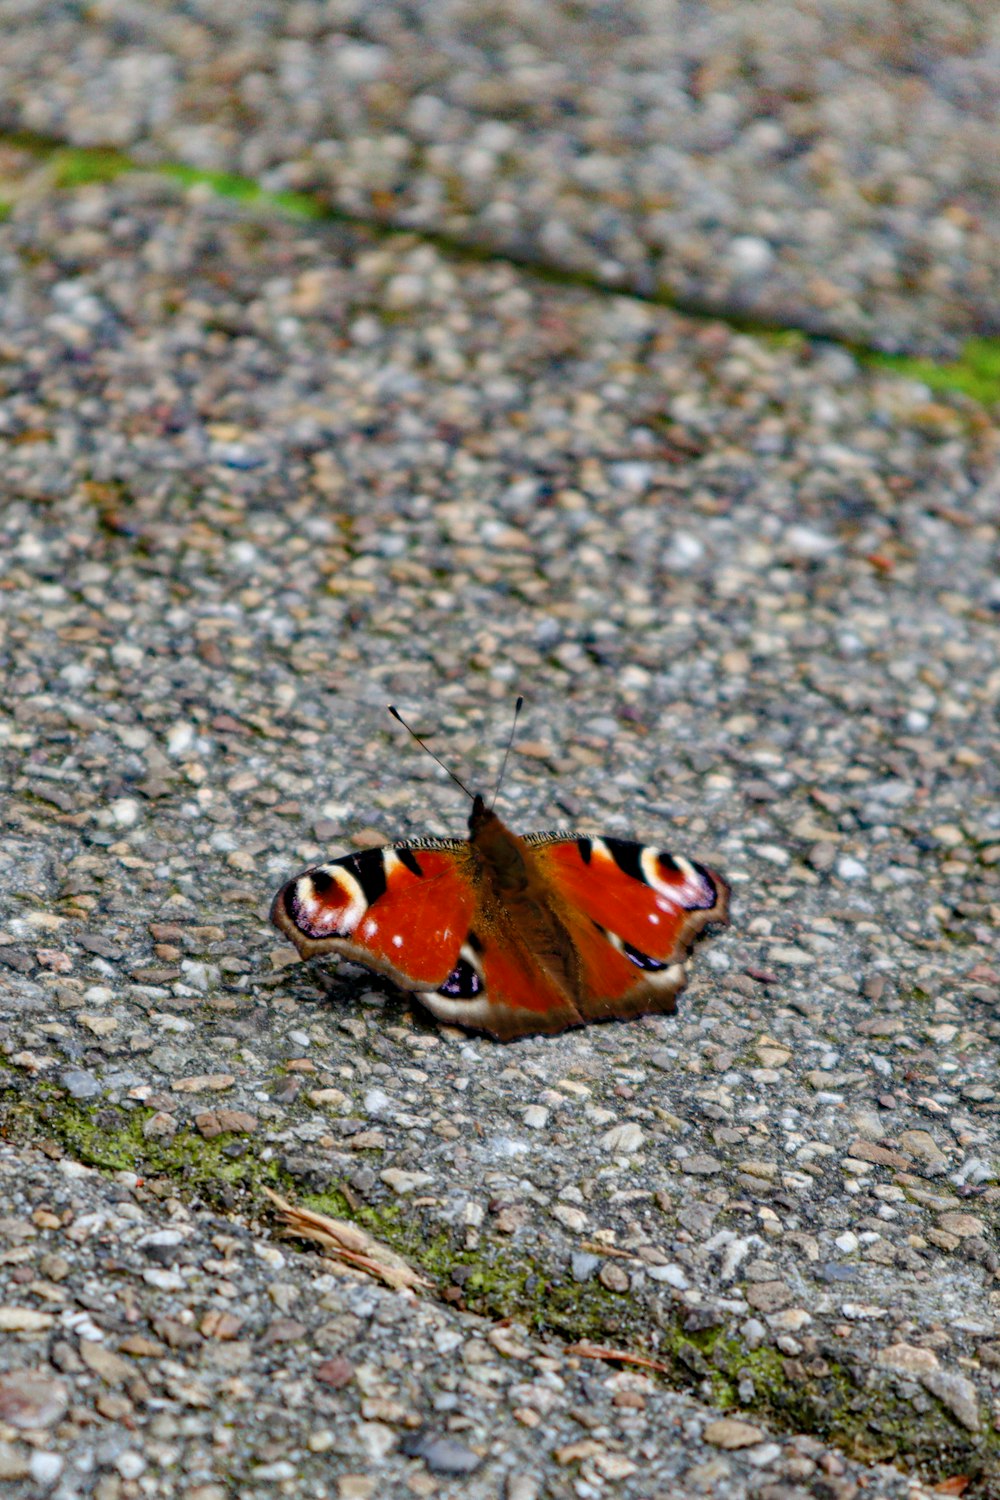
[
  {"x": 275, "y": 1473},
  {"x": 536, "y": 1116},
  {"x": 623, "y": 1139},
  {"x": 164, "y": 1281},
  {"x": 405, "y": 290},
  {"x": 197, "y": 974},
  {"x": 125, "y": 811},
  {"x": 124, "y": 654},
  {"x": 672, "y": 1275},
  {"x": 180, "y": 738},
  {"x": 847, "y": 1242},
  {"x": 683, "y": 552},
  {"x": 863, "y": 1312},
  {"x": 573, "y": 1219},
  {"x": 405, "y": 1182},
  {"x": 269, "y": 1255},
  {"x": 634, "y": 476},
  {"x": 45, "y": 1467},
  {"x": 851, "y": 869},
  {"x": 376, "y": 1439},
  {"x": 362, "y": 62},
  {"x": 773, "y": 853},
  {"x": 789, "y": 1320},
  {"x": 785, "y": 953},
  {"x": 749, "y": 255},
  {"x": 804, "y": 542},
  {"x": 130, "y": 1464},
  {"x": 754, "y": 1333}
]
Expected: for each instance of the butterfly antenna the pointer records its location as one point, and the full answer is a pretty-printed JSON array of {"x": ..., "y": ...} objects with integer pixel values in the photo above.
[
  {"x": 424, "y": 746},
  {"x": 506, "y": 755}
]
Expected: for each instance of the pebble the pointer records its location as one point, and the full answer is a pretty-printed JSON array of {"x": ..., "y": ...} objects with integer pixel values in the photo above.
[
  {"x": 32, "y": 1399},
  {"x": 583, "y": 1265},
  {"x": 728, "y": 1432},
  {"x": 79, "y": 1083},
  {"x": 46, "y": 1467},
  {"x": 700, "y": 1164},
  {"x": 623, "y": 1139},
  {"x": 442, "y": 1455},
  {"x": 957, "y": 1393},
  {"x": 963, "y": 1226},
  {"x": 912, "y": 1359}
]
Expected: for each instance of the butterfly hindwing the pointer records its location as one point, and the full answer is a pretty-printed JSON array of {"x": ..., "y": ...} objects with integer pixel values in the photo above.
[{"x": 634, "y": 911}]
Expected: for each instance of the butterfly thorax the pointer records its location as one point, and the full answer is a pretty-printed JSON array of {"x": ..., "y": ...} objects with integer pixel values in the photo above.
[
  {"x": 515, "y": 901},
  {"x": 501, "y": 855}
]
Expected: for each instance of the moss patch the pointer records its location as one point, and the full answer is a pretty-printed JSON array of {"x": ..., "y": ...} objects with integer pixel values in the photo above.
[
  {"x": 245, "y": 190},
  {"x": 498, "y": 1280},
  {"x": 77, "y": 166},
  {"x": 223, "y": 1171},
  {"x": 976, "y": 373},
  {"x": 73, "y": 166},
  {"x": 855, "y": 1407}
]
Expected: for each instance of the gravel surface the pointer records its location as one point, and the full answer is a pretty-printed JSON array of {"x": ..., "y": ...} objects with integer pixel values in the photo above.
[
  {"x": 259, "y": 479},
  {"x": 832, "y": 167}
]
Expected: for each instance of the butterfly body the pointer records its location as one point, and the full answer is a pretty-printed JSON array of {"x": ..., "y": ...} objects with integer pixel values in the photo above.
[{"x": 507, "y": 934}]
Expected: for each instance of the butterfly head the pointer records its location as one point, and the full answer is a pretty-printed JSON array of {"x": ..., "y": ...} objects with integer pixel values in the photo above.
[{"x": 480, "y": 816}]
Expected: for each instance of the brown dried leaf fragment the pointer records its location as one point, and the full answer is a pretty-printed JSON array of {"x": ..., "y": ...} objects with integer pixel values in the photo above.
[{"x": 348, "y": 1243}]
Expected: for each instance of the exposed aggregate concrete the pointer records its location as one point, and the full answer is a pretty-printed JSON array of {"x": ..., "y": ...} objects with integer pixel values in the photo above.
[
  {"x": 833, "y": 168},
  {"x": 259, "y": 480}
]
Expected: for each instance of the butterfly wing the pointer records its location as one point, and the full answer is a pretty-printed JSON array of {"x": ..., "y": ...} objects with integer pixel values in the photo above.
[
  {"x": 633, "y": 913},
  {"x": 404, "y": 910}
]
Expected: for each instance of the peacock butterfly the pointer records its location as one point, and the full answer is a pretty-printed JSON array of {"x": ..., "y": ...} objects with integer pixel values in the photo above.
[{"x": 506, "y": 934}]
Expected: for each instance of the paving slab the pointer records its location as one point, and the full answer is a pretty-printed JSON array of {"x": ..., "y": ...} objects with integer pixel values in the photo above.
[
  {"x": 259, "y": 479},
  {"x": 833, "y": 168}
]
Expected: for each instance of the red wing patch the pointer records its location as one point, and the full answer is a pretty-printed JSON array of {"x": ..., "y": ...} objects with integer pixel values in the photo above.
[
  {"x": 653, "y": 902},
  {"x": 404, "y": 911}
]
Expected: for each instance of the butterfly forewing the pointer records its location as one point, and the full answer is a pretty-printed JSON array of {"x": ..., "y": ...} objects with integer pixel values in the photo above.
[
  {"x": 404, "y": 909},
  {"x": 653, "y": 901}
]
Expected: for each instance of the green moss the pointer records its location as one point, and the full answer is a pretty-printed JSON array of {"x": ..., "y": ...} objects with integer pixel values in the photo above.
[
  {"x": 110, "y": 1138},
  {"x": 6, "y": 209},
  {"x": 858, "y": 1410},
  {"x": 74, "y": 166},
  {"x": 975, "y": 373},
  {"x": 245, "y": 190},
  {"x": 495, "y": 1281}
]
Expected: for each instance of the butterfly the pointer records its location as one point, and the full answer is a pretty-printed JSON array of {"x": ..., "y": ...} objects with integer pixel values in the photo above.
[{"x": 512, "y": 935}]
